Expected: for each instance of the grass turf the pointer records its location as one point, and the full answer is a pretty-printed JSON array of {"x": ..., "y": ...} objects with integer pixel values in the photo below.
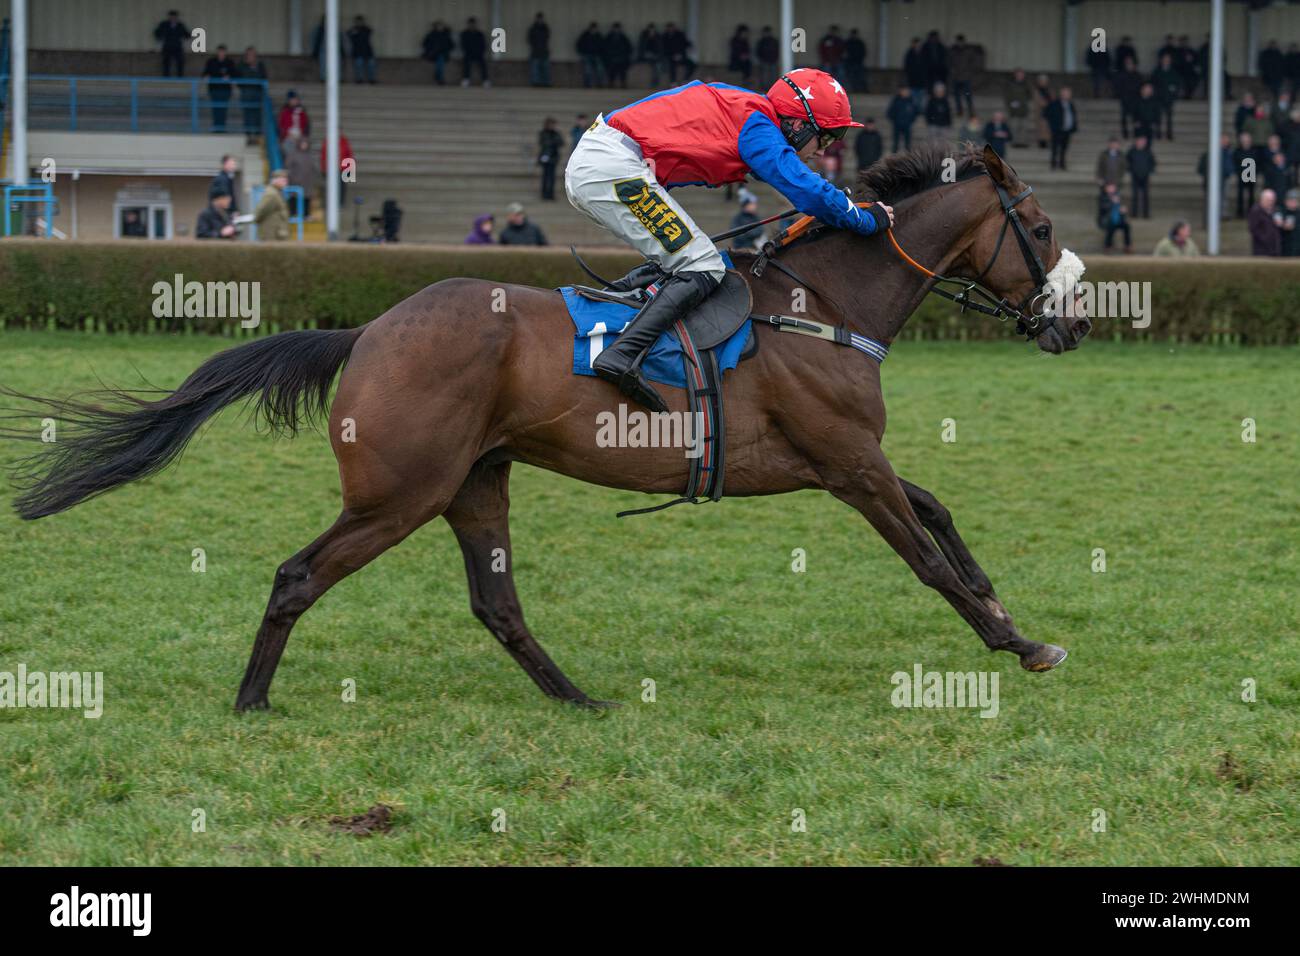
[{"x": 772, "y": 687}]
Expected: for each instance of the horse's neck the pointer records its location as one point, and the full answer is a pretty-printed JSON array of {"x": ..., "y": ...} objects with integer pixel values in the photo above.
[{"x": 870, "y": 280}]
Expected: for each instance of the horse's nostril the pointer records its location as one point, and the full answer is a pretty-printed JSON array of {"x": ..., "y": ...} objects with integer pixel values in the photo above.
[{"x": 1081, "y": 328}]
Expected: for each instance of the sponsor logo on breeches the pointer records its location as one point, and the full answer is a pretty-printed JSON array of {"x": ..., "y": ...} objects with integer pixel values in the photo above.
[{"x": 659, "y": 218}]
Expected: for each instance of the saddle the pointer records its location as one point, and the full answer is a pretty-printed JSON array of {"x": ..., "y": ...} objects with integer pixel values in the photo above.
[{"x": 710, "y": 323}]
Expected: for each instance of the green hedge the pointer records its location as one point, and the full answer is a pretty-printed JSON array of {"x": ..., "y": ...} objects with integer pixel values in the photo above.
[{"x": 108, "y": 287}]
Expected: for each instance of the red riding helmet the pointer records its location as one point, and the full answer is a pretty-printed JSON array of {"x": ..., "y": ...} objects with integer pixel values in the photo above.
[{"x": 816, "y": 98}]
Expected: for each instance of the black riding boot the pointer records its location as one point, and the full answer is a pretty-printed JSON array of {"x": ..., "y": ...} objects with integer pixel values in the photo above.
[
  {"x": 620, "y": 362},
  {"x": 640, "y": 277}
]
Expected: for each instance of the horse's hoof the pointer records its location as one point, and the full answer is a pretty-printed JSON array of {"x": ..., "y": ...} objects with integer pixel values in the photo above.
[
  {"x": 1043, "y": 659},
  {"x": 244, "y": 706}
]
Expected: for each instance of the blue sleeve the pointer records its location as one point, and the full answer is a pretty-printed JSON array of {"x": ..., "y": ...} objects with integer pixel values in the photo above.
[{"x": 764, "y": 150}]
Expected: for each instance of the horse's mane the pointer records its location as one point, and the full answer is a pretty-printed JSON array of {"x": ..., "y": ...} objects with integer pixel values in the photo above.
[{"x": 897, "y": 177}]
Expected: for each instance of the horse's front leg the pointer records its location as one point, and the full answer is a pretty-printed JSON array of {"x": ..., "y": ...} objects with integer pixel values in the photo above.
[
  {"x": 937, "y": 520},
  {"x": 869, "y": 484}
]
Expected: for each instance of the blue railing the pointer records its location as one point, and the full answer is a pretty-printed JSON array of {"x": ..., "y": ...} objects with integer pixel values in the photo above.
[{"x": 18, "y": 195}]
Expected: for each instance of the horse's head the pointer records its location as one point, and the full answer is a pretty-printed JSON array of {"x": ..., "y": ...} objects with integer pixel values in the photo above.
[{"x": 1015, "y": 253}]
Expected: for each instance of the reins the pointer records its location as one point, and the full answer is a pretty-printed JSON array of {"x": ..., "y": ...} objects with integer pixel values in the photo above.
[{"x": 999, "y": 308}]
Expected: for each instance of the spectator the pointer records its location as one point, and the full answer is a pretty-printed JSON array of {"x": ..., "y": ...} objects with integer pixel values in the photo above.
[
  {"x": 220, "y": 70},
  {"x": 869, "y": 146},
  {"x": 997, "y": 133},
  {"x": 1259, "y": 125},
  {"x": 938, "y": 114},
  {"x": 1099, "y": 66},
  {"x": 549, "y": 144},
  {"x": 935, "y": 55},
  {"x": 832, "y": 160},
  {"x": 1110, "y": 165},
  {"x": 768, "y": 52},
  {"x": 391, "y": 218},
  {"x": 1277, "y": 174},
  {"x": 591, "y": 49},
  {"x": 740, "y": 56},
  {"x": 1146, "y": 113},
  {"x": 1271, "y": 65},
  {"x": 539, "y": 52},
  {"x": 133, "y": 227},
  {"x": 617, "y": 55},
  {"x": 650, "y": 49},
  {"x": 224, "y": 182},
  {"x": 252, "y": 91},
  {"x": 1245, "y": 111},
  {"x": 1188, "y": 64},
  {"x": 1141, "y": 163},
  {"x": 293, "y": 118},
  {"x": 964, "y": 64},
  {"x": 676, "y": 50},
  {"x": 752, "y": 239},
  {"x": 1280, "y": 117},
  {"x": 481, "y": 234},
  {"x": 1291, "y": 66},
  {"x": 916, "y": 72},
  {"x": 1169, "y": 86},
  {"x": 1018, "y": 94},
  {"x": 855, "y": 62},
  {"x": 1225, "y": 168},
  {"x": 1265, "y": 236},
  {"x": 363, "y": 53},
  {"x": 1245, "y": 168},
  {"x": 1127, "y": 84},
  {"x": 1063, "y": 121},
  {"x": 1042, "y": 100},
  {"x": 1126, "y": 51},
  {"x": 580, "y": 125},
  {"x": 318, "y": 52},
  {"x": 519, "y": 231},
  {"x": 272, "y": 213},
  {"x": 303, "y": 173},
  {"x": 473, "y": 47},
  {"x": 1178, "y": 243},
  {"x": 1203, "y": 60},
  {"x": 830, "y": 53},
  {"x": 172, "y": 35},
  {"x": 902, "y": 114},
  {"x": 1289, "y": 223},
  {"x": 214, "y": 221},
  {"x": 1112, "y": 217},
  {"x": 438, "y": 44},
  {"x": 972, "y": 131},
  {"x": 347, "y": 165}
]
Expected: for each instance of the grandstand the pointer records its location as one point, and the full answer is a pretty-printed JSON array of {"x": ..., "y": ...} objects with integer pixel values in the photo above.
[{"x": 447, "y": 154}]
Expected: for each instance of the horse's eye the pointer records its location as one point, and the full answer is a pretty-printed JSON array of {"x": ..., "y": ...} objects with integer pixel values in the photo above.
[{"x": 1043, "y": 232}]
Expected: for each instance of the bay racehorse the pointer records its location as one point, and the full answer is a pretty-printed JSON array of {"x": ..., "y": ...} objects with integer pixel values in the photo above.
[{"x": 442, "y": 393}]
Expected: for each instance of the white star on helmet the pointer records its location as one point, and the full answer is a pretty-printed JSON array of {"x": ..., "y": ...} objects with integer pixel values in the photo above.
[
  {"x": 835, "y": 85},
  {"x": 806, "y": 91}
]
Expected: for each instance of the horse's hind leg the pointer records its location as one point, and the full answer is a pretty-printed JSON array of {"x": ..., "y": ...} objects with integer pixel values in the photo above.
[
  {"x": 479, "y": 516},
  {"x": 352, "y": 542},
  {"x": 937, "y": 520}
]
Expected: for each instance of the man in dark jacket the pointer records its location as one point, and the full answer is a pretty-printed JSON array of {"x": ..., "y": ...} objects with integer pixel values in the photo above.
[
  {"x": 963, "y": 64},
  {"x": 1141, "y": 163},
  {"x": 935, "y": 55},
  {"x": 1112, "y": 217},
  {"x": 549, "y": 144},
  {"x": 223, "y": 183},
  {"x": 1245, "y": 169},
  {"x": 590, "y": 48},
  {"x": 997, "y": 133},
  {"x": 901, "y": 113},
  {"x": 855, "y": 62},
  {"x": 1168, "y": 86},
  {"x": 650, "y": 49},
  {"x": 437, "y": 47},
  {"x": 1126, "y": 51},
  {"x": 917, "y": 72},
  {"x": 676, "y": 51},
  {"x": 519, "y": 231},
  {"x": 618, "y": 55},
  {"x": 220, "y": 70},
  {"x": 1127, "y": 84},
  {"x": 214, "y": 221},
  {"x": 363, "y": 51},
  {"x": 767, "y": 51},
  {"x": 172, "y": 35},
  {"x": 539, "y": 52},
  {"x": 1099, "y": 66},
  {"x": 1063, "y": 121},
  {"x": 473, "y": 46},
  {"x": 1146, "y": 113},
  {"x": 1265, "y": 237},
  {"x": 1272, "y": 67},
  {"x": 869, "y": 145}
]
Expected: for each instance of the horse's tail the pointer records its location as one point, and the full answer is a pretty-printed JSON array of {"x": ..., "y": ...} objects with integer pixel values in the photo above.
[{"x": 136, "y": 433}]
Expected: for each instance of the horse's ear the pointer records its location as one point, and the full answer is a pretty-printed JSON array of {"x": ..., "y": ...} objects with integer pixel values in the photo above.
[{"x": 1002, "y": 173}]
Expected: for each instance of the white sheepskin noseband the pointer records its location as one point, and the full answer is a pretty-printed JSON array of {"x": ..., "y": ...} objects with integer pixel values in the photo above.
[{"x": 1062, "y": 282}]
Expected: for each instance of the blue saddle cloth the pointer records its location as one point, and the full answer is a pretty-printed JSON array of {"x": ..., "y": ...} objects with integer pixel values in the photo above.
[{"x": 597, "y": 325}]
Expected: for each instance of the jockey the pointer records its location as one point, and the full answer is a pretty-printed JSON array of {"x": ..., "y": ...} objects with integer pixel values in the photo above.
[{"x": 709, "y": 134}]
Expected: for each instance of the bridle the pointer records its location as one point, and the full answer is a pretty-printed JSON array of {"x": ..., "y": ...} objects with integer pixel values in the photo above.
[{"x": 1029, "y": 323}]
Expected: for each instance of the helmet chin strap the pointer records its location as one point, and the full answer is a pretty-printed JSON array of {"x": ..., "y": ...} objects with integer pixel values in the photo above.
[{"x": 799, "y": 138}]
